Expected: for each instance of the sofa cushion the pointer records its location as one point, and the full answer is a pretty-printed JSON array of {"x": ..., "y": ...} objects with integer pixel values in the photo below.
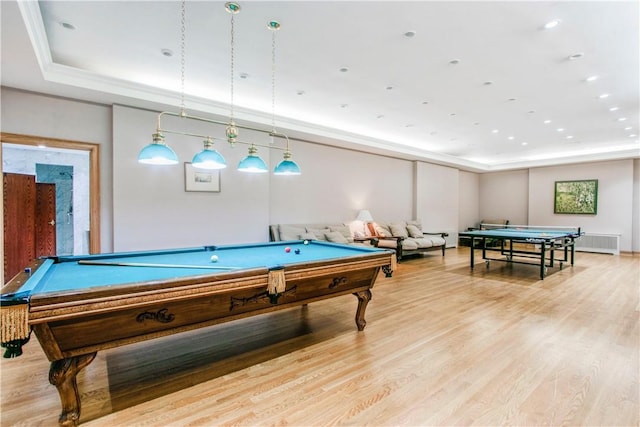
[
  {"x": 435, "y": 240},
  {"x": 422, "y": 242},
  {"x": 319, "y": 232},
  {"x": 290, "y": 232},
  {"x": 414, "y": 231},
  {"x": 308, "y": 236},
  {"x": 344, "y": 230},
  {"x": 336, "y": 237},
  {"x": 388, "y": 243},
  {"x": 409, "y": 244},
  {"x": 399, "y": 229}
]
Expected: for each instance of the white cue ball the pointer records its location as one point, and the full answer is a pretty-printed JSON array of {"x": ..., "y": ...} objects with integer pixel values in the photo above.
[
  {"x": 306, "y": 242},
  {"x": 214, "y": 258}
]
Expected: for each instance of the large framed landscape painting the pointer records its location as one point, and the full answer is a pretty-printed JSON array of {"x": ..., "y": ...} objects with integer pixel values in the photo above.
[{"x": 576, "y": 197}]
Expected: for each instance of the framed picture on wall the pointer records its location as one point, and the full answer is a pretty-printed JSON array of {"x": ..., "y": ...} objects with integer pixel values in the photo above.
[
  {"x": 576, "y": 197},
  {"x": 201, "y": 179}
]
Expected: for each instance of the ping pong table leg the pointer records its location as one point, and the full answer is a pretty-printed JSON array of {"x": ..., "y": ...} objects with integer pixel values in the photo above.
[
  {"x": 473, "y": 245},
  {"x": 542, "y": 262}
]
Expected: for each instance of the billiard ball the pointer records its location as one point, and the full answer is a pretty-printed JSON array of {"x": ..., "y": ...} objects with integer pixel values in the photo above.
[
  {"x": 297, "y": 251},
  {"x": 306, "y": 242},
  {"x": 214, "y": 258},
  {"x": 287, "y": 249}
]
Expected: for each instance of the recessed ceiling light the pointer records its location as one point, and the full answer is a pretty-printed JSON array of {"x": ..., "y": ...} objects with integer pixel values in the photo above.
[
  {"x": 68, "y": 25},
  {"x": 510, "y": 138},
  {"x": 551, "y": 24},
  {"x": 495, "y": 131},
  {"x": 622, "y": 119},
  {"x": 613, "y": 109},
  {"x": 410, "y": 34},
  {"x": 167, "y": 52},
  {"x": 575, "y": 56},
  {"x": 344, "y": 69},
  {"x": 603, "y": 96},
  {"x": 628, "y": 128},
  {"x": 454, "y": 62},
  {"x": 524, "y": 143},
  {"x": 592, "y": 78},
  {"x": 633, "y": 135},
  {"x": 569, "y": 136},
  {"x": 546, "y": 122},
  {"x": 560, "y": 129}
]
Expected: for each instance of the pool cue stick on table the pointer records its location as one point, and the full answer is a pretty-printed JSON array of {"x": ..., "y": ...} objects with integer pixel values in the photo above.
[{"x": 142, "y": 264}]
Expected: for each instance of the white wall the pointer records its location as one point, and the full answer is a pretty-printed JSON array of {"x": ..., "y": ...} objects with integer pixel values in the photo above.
[
  {"x": 437, "y": 199},
  {"x": 505, "y": 195},
  {"x": 151, "y": 208},
  {"x": 615, "y": 198},
  {"x": 336, "y": 183},
  {"x": 468, "y": 200},
  {"x": 35, "y": 114}
]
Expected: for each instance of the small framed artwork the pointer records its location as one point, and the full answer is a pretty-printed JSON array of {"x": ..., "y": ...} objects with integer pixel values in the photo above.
[
  {"x": 576, "y": 197},
  {"x": 201, "y": 179}
]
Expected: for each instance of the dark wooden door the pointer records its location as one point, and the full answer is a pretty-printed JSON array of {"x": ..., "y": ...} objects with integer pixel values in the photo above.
[
  {"x": 19, "y": 222},
  {"x": 45, "y": 220}
]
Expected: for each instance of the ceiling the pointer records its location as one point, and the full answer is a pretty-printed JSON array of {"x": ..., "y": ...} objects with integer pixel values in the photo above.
[{"x": 482, "y": 86}]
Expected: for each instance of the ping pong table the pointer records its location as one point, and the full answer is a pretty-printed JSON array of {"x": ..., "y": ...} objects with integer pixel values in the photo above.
[{"x": 521, "y": 243}]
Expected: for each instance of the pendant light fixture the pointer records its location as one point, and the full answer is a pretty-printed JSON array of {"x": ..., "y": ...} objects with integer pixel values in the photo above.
[{"x": 159, "y": 153}]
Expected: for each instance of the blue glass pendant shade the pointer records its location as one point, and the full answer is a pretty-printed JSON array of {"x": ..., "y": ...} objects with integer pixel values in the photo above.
[
  {"x": 252, "y": 163},
  {"x": 158, "y": 153},
  {"x": 287, "y": 166},
  {"x": 209, "y": 158}
]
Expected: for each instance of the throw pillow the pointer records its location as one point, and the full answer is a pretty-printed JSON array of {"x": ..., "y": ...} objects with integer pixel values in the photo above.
[
  {"x": 319, "y": 232},
  {"x": 344, "y": 230},
  {"x": 336, "y": 237},
  {"x": 308, "y": 236},
  {"x": 290, "y": 232},
  {"x": 414, "y": 231},
  {"x": 399, "y": 230},
  {"x": 383, "y": 230}
]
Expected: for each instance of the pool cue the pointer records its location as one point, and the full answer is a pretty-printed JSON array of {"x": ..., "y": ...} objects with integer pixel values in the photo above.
[{"x": 141, "y": 264}]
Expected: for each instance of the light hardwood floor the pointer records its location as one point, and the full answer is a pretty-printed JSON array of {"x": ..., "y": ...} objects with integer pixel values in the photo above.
[{"x": 443, "y": 346}]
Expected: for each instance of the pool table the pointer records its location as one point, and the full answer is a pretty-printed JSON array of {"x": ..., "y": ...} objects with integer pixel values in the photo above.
[{"x": 78, "y": 305}]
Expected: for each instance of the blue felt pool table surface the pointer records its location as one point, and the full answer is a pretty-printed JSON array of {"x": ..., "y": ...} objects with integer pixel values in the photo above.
[{"x": 67, "y": 273}]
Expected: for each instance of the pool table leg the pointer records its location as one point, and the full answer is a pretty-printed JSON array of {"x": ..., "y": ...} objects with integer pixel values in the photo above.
[
  {"x": 62, "y": 374},
  {"x": 363, "y": 299}
]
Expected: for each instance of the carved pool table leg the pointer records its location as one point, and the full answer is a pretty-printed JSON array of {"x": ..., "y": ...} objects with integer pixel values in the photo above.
[
  {"x": 62, "y": 374},
  {"x": 363, "y": 299}
]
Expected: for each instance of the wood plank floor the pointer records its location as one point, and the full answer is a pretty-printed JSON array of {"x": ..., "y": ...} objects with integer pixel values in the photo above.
[{"x": 443, "y": 346}]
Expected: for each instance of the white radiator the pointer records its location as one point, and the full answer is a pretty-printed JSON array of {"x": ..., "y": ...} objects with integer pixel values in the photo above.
[{"x": 600, "y": 243}]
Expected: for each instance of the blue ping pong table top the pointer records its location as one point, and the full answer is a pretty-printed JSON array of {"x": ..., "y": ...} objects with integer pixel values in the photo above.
[{"x": 523, "y": 233}]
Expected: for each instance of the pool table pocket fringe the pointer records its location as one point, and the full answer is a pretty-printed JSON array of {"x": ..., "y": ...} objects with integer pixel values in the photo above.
[
  {"x": 277, "y": 283},
  {"x": 15, "y": 322}
]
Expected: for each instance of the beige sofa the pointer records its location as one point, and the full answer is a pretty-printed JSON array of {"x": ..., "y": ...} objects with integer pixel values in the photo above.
[{"x": 405, "y": 237}]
